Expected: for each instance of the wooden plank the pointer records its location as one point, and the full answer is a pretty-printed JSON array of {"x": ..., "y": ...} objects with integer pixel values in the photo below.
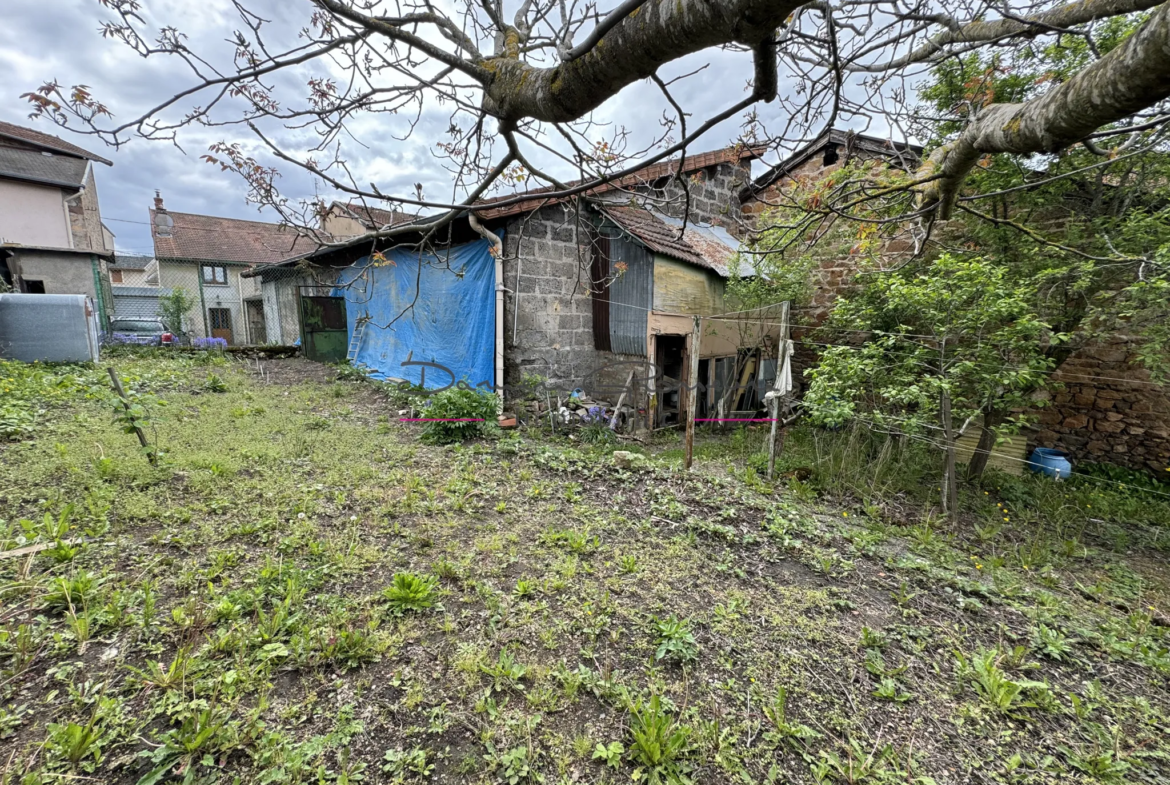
[
  {"x": 774, "y": 409},
  {"x": 41, "y": 546},
  {"x": 1008, "y": 456},
  {"x": 621, "y": 400},
  {"x": 693, "y": 390}
]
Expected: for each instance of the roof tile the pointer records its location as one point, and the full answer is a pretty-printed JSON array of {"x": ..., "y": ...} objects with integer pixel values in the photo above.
[
  {"x": 48, "y": 141},
  {"x": 645, "y": 175},
  {"x": 702, "y": 246},
  {"x": 209, "y": 238}
]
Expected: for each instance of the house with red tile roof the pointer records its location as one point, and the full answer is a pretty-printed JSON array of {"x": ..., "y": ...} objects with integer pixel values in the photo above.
[
  {"x": 52, "y": 240},
  {"x": 206, "y": 256}
]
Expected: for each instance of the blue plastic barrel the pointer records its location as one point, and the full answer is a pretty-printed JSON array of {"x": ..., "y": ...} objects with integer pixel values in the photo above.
[{"x": 1053, "y": 463}]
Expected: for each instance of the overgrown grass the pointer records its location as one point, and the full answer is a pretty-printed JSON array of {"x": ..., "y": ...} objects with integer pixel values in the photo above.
[{"x": 302, "y": 591}]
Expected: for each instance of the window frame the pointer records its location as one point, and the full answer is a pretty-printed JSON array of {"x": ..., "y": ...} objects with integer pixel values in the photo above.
[{"x": 213, "y": 268}]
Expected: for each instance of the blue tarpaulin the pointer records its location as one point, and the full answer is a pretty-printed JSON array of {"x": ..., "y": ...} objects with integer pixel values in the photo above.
[{"x": 443, "y": 313}]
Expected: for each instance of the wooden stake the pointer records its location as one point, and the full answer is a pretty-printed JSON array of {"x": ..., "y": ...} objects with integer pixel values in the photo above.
[
  {"x": 774, "y": 408},
  {"x": 693, "y": 390},
  {"x": 126, "y": 403},
  {"x": 621, "y": 400},
  {"x": 950, "y": 489}
]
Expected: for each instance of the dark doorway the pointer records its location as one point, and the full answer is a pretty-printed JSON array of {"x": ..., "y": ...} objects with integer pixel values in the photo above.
[
  {"x": 34, "y": 287},
  {"x": 324, "y": 328},
  {"x": 670, "y": 354},
  {"x": 704, "y": 379},
  {"x": 257, "y": 332}
]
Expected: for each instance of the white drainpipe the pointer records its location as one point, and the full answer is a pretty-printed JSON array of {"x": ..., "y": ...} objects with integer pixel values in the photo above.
[{"x": 497, "y": 252}]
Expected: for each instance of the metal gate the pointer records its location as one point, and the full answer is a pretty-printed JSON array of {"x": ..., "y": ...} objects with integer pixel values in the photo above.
[{"x": 324, "y": 327}]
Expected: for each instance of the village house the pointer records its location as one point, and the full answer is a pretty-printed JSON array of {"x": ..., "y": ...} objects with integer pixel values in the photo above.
[
  {"x": 346, "y": 220},
  {"x": 52, "y": 240},
  {"x": 206, "y": 256},
  {"x": 134, "y": 285},
  {"x": 1106, "y": 409},
  {"x": 133, "y": 270}
]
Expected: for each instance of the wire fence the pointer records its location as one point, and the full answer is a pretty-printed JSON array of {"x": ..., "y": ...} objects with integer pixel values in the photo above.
[{"x": 198, "y": 301}]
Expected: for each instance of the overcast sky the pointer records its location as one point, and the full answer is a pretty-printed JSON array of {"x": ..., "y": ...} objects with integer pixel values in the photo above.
[{"x": 60, "y": 39}]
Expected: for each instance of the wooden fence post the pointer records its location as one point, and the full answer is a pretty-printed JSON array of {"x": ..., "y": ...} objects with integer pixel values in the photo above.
[
  {"x": 774, "y": 408},
  {"x": 693, "y": 390}
]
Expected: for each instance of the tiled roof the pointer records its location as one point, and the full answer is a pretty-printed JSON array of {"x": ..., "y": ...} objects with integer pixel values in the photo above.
[
  {"x": 47, "y": 141},
  {"x": 873, "y": 145},
  {"x": 125, "y": 261},
  {"x": 209, "y": 238},
  {"x": 34, "y": 166},
  {"x": 643, "y": 176},
  {"x": 375, "y": 217},
  {"x": 711, "y": 247},
  {"x": 138, "y": 291}
]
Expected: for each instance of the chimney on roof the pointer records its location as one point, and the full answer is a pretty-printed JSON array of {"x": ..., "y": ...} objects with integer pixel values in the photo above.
[{"x": 158, "y": 202}]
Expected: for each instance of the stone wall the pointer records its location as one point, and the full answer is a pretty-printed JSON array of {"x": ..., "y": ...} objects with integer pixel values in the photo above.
[
  {"x": 1108, "y": 411},
  {"x": 1122, "y": 419},
  {"x": 85, "y": 220},
  {"x": 835, "y": 272},
  {"x": 713, "y": 192},
  {"x": 548, "y": 316}
]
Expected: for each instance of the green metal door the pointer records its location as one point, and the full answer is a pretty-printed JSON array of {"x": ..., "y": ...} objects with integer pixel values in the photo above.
[{"x": 324, "y": 329}]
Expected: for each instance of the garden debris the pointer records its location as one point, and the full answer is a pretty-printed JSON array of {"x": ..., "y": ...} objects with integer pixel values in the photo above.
[
  {"x": 42, "y": 546},
  {"x": 623, "y": 459}
]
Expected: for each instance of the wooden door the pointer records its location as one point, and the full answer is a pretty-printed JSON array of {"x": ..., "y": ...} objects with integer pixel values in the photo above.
[
  {"x": 324, "y": 328},
  {"x": 220, "y": 320},
  {"x": 257, "y": 331}
]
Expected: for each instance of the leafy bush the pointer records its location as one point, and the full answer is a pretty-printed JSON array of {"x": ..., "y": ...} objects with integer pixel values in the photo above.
[
  {"x": 410, "y": 592},
  {"x": 174, "y": 307},
  {"x": 993, "y": 684},
  {"x": 466, "y": 412}
]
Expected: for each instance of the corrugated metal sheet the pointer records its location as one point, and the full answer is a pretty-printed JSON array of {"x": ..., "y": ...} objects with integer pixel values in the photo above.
[
  {"x": 630, "y": 296},
  {"x": 51, "y": 328},
  {"x": 599, "y": 273}
]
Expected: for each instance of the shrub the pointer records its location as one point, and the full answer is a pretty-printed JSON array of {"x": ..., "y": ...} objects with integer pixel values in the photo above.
[
  {"x": 467, "y": 413},
  {"x": 174, "y": 307}
]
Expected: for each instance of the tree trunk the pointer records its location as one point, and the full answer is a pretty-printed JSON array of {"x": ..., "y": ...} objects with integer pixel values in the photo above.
[
  {"x": 1134, "y": 76},
  {"x": 992, "y": 419}
]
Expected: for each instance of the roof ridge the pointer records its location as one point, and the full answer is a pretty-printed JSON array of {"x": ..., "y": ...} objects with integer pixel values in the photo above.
[
  {"x": 271, "y": 224},
  {"x": 729, "y": 154},
  {"x": 41, "y": 139}
]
